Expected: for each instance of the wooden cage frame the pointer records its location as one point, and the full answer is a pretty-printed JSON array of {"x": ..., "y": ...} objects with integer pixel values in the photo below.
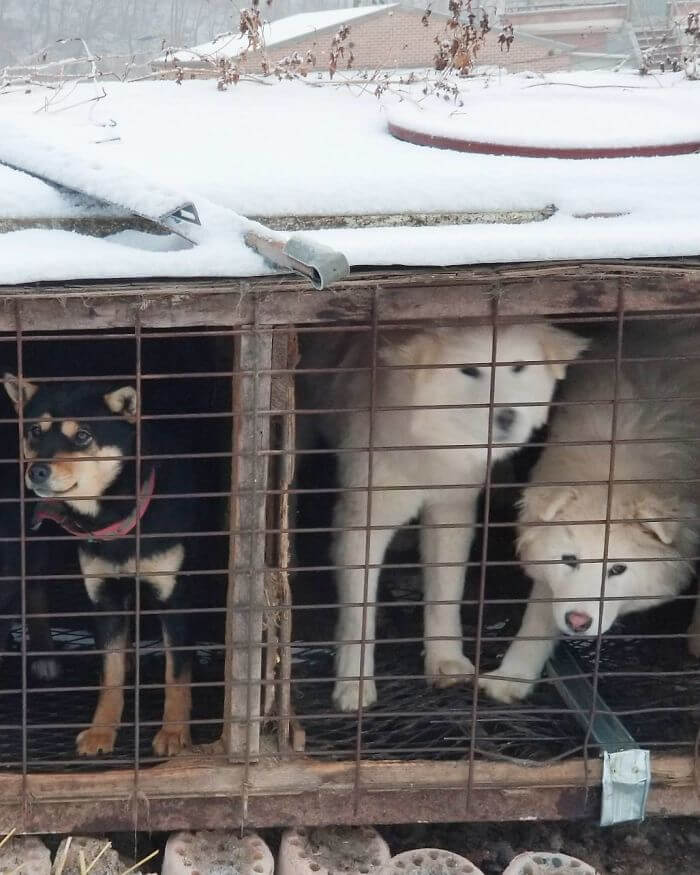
[{"x": 213, "y": 789}]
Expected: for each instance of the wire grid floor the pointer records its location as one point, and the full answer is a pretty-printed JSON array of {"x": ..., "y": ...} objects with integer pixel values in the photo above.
[
  {"x": 660, "y": 712},
  {"x": 653, "y": 686},
  {"x": 656, "y": 689},
  {"x": 436, "y": 725},
  {"x": 51, "y": 703}
]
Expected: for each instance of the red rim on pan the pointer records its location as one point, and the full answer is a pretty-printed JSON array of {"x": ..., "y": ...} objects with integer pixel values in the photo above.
[{"x": 458, "y": 144}]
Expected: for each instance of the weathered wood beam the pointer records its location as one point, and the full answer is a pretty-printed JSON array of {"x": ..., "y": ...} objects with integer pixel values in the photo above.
[
  {"x": 193, "y": 793},
  {"x": 406, "y": 220},
  {"x": 92, "y": 226},
  {"x": 525, "y": 290}
]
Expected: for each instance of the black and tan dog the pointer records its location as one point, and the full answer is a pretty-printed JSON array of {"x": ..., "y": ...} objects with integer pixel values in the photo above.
[{"x": 80, "y": 444}]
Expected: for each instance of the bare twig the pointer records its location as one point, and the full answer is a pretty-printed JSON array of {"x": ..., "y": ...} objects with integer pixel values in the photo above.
[
  {"x": 140, "y": 863},
  {"x": 60, "y": 865},
  {"x": 8, "y": 836},
  {"x": 106, "y": 847}
]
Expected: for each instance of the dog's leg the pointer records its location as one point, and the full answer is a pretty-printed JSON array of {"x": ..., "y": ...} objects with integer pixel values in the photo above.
[
  {"x": 694, "y": 630},
  {"x": 112, "y": 638},
  {"x": 445, "y": 663},
  {"x": 45, "y": 667},
  {"x": 175, "y": 732},
  {"x": 389, "y": 510},
  {"x": 522, "y": 665}
]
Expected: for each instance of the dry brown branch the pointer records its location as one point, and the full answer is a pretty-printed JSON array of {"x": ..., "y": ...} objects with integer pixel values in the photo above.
[
  {"x": 692, "y": 31},
  {"x": 463, "y": 37}
]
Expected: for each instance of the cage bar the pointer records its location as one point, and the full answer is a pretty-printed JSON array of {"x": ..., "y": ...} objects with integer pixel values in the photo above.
[{"x": 286, "y": 757}]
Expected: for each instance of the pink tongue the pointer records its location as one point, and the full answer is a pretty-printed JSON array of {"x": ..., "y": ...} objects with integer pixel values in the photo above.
[{"x": 577, "y": 619}]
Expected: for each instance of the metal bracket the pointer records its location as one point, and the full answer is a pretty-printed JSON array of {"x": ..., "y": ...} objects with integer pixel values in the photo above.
[
  {"x": 626, "y": 780},
  {"x": 318, "y": 263},
  {"x": 626, "y": 767}
]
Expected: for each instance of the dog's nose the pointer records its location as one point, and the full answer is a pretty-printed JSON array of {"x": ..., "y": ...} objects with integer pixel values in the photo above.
[
  {"x": 39, "y": 473},
  {"x": 578, "y": 621},
  {"x": 505, "y": 418}
]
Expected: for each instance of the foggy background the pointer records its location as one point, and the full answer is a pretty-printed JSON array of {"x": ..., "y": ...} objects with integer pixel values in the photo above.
[{"x": 123, "y": 27}]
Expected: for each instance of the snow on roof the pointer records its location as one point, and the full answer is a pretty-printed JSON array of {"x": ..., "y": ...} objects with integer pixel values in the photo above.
[
  {"x": 283, "y": 30},
  {"x": 292, "y": 149}
]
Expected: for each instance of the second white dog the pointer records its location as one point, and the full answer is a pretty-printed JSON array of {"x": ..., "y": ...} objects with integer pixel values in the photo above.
[
  {"x": 437, "y": 457},
  {"x": 649, "y": 549}
]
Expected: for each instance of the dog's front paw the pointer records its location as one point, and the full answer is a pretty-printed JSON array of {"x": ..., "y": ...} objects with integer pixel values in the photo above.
[
  {"x": 95, "y": 740},
  {"x": 346, "y": 694},
  {"x": 171, "y": 740},
  {"x": 45, "y": 669},
  {"x": 443, "y": 672},
  {"x": 497, "y": 687}
]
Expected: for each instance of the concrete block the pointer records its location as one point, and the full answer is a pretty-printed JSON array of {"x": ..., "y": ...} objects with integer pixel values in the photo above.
[
  {"x": 546, "y": 863},
  {"x": 430, "y": 861},
  {"x": 29, "y": 852},
  {"x": 216, "y": 853},
  {"x": 332, "y": 851}
]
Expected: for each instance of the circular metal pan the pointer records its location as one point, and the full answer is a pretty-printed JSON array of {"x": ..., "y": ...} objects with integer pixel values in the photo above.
[{"x": 458, "y": 144}]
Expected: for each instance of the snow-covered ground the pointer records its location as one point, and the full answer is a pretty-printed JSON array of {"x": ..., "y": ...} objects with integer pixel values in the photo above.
[{"x": 290, "y": 148}]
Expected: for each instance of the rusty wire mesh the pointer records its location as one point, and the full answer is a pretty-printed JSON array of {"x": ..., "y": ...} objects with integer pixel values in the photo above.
[
  {"x": 264, "y": 645},
  {"x": 641, "y": 667}
]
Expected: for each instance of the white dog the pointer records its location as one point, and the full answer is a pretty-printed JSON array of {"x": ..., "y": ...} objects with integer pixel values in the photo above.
[
  {"x": 653, "y": 512},
  {"x": 444, "y": 447}
]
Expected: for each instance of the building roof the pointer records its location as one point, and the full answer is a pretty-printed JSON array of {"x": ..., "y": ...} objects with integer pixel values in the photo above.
[{"x": 279, "y": 32}]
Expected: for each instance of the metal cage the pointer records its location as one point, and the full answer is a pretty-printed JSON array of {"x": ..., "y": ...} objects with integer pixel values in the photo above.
[{"x": 215, "y": 365}]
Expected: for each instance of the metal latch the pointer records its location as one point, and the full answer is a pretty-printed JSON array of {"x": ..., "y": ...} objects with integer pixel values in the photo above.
[
  {"x": 626, "y": 766},
  {"x": 626, "y": 779}
]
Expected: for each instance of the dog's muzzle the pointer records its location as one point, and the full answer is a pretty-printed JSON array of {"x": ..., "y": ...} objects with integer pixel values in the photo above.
[
  {"x": 39, "y": 474},
  {"x": 578, "y": 621},
  {"x": 505, "y": 418}
]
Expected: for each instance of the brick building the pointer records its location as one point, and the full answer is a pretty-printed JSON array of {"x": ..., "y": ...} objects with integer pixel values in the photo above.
[{"x": 395, "y": 36}]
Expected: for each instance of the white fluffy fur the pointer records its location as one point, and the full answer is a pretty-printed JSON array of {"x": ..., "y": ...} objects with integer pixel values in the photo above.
[
  {"x": 444, "y": 550},
  {"x": 643, "y": 584}
]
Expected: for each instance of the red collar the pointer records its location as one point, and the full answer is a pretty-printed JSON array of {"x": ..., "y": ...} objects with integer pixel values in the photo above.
[{"x": 56, "y": 512}]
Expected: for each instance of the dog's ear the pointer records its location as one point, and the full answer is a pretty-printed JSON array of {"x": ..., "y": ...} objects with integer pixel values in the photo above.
[
  {"x": 659, "y": 516},
  {"x": 542, "y": 504},
  {"x": 123, "y": 401},
  {"x": 558, "y": 344},
  {"x": 414, "y": 348},
  {"x": 20, "y": 391}
]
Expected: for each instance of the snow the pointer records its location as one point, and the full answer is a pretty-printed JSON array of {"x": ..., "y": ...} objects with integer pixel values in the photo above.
[
  {"x": 292, "y": 27},
  {"x": 76, "y": 168},
  {"x": 290, "y": 148},
  {"x": 592, "y": 119}
]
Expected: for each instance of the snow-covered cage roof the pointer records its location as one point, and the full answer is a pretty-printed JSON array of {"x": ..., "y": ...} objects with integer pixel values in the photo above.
[{"x": 291, "y": 150}]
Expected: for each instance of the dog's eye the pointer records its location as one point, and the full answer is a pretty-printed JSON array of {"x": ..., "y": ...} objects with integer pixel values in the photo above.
[
  {"x": 516, "y": 369},
  {"x": 471, "y": 372},
  {"x": 35, "y": 430},
  {"x": 616, "y": 569},
  {"x": 82, "y": 437},
  {"x": 570, "y": 560}
]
